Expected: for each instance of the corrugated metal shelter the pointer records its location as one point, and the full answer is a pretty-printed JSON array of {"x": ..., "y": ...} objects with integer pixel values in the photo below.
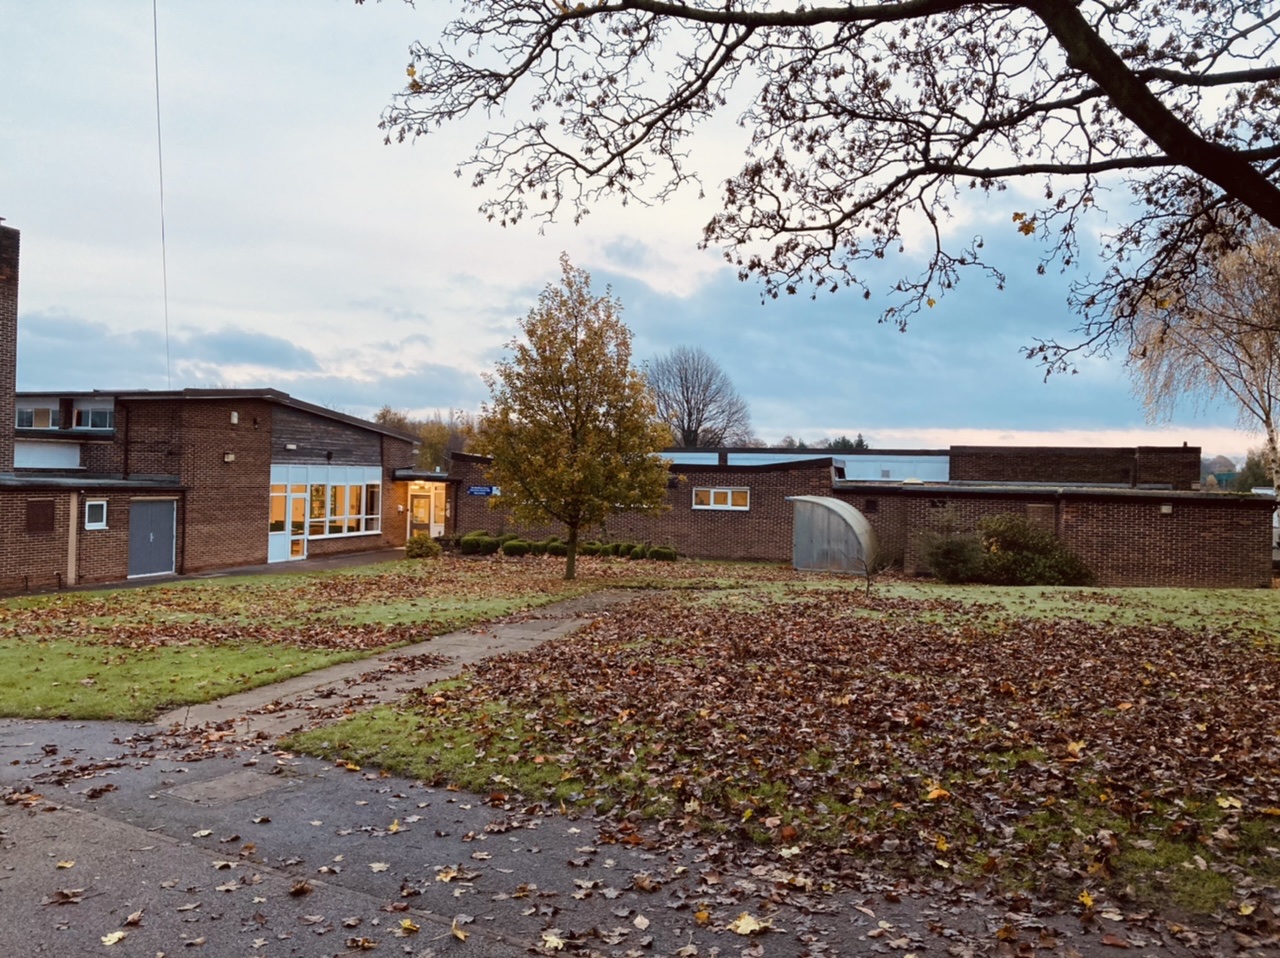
[{"x": 829, "y": 535}]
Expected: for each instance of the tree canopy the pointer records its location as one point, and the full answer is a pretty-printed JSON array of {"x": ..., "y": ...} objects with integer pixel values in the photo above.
[
  {"x": 1222, "y": 343},
  {"x": 697, "y": 400},
  {"x": 571, "y": 427},
  {"x": 866, "y": 117}
]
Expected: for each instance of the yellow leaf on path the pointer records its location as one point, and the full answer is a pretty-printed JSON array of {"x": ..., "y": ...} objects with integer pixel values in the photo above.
[
  {"x": 1229, "y": 803},
  {"x": 70, "y": 863},
  {"x": 458, "y": 932},
  {"x": 394, "y": 826},
  {"x": 744, "y": 924},
  {"x": 1085, "y": 898},
  {"x": 1247, "y": 907},
  {"x": 702, "y": 916},
  {"x": 1075, "y": 748},
  {"x": 942, "y": 844},
  {"x": 114, "y": 937},
  {"x": 407, "y": 925},
  {"x": 937, "y": 793},
  {"x": 553, "y": 941}
]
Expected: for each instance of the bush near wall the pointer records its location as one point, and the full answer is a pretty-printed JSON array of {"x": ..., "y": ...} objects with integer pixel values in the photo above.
[
  {"x": 422, "y": 547},
  {"x": 1007, "y": 550}
]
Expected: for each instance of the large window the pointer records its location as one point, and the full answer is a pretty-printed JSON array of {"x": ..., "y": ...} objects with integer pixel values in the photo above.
[
  {"x": 95, "y": 419},
  {"x": 37, "y": 417},
  {"x": 726, "y": 498},
  {"x": 338, "y": 500}
]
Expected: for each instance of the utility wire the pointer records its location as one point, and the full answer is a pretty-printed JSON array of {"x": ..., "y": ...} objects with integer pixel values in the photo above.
[{"x": 164, "y": 255}]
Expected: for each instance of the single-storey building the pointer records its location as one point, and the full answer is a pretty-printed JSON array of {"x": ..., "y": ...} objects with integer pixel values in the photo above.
[{"x": 1136, "y": 516}]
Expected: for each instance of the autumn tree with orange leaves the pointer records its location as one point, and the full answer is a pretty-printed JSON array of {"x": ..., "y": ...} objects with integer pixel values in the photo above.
[{"x": 571, "y": 428}]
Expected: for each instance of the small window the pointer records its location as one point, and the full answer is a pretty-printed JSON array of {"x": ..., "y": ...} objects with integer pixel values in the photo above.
[
  {"x": 26, "y": 418},
  {"x": 40, "y": 516},
  {"x": 739, "y": 499},
  {"x": 95, "y": 514}
]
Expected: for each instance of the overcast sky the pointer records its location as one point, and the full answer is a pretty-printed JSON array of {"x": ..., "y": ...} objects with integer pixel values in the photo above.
[{"x": 305, "y": 255}]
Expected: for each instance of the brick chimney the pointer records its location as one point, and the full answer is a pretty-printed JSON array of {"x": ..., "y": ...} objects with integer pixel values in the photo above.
[{"x": 8, "y": 342}]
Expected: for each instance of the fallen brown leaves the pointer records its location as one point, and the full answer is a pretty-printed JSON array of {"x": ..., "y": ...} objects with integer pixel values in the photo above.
[{"x": 841, "y": 724}]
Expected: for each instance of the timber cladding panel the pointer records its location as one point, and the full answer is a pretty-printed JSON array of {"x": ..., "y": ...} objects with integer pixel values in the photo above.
[
  {"x": 321, "y": 441},
  {"x": 9, "y": 250}
]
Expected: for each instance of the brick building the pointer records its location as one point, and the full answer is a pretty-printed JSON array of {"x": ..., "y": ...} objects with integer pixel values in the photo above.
[
  {"x": 1136, "y": 516},
  {"x": 101, "y": 486}
]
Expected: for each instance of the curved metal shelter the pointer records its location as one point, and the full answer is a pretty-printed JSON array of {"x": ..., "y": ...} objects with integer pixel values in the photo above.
[{"x": 829, "y": 535}]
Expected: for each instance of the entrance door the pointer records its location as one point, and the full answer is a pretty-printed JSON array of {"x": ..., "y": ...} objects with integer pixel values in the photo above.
[
  {"x": 298, "y": 522},
  {"x": 152, "y": 525},
  {"x": 420, "y": 514}
]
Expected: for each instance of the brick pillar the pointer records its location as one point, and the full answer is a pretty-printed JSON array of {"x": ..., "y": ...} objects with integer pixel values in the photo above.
[{"x": 8, "y": 342}]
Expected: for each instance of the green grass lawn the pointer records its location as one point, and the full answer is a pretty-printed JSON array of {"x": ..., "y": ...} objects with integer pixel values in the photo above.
[
  {"x": 1121, "y": 742},
  {"x": 133, "y": 653}
]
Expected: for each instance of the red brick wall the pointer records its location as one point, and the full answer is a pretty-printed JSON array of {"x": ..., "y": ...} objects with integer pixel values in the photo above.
[
  {"x": 227, "y": 503},
  {"x": 763, "y": 532},
  {"x": 1176, "y": 466},
  {"x": 1208, "y": 541},
  {"x": 1204, "y": 542},
  {"x": 396, "y": 454},
  {"x": 102, "y": 555},
  {"x": 9, "y": 247},
  {"x": 34, "y": 561},
  {"x": 39, "y": 560}
]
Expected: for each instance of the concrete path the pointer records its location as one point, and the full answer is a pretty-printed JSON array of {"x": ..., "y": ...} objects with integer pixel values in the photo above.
[
  {"x": 197, "y": 836},
  {"x": 274, "y": 711}
]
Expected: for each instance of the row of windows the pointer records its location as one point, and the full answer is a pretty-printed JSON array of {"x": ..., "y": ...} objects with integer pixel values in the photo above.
[
  {"x": 726, "y": 498},
  {"x": 43, "y": 418},
  {"x": 320, "y": 509}
]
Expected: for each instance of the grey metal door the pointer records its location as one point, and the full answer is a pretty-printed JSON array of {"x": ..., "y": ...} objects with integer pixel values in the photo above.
[{"x": 151, "y": 537}]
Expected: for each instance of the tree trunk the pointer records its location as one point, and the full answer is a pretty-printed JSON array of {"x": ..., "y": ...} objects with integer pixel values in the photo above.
[{"x": 571, "y": 558}]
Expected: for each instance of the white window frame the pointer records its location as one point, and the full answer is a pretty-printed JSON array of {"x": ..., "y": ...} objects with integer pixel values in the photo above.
[
  {"x": 91, "y": 524},
  {"x": 82, "y": 418},
  {"x": 359, "y": 522},
  {"x": 727, "y": 505}
]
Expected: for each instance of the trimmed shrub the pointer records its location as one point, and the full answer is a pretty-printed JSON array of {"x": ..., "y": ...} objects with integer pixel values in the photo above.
[
  {"x": 1015, "y": 552},
  {"x": 507, "y": 537},
  {"x": 473, "y": 545},
  {"x": 953, "y": 557},
  {"x": 516, "y": 547},
  {"x": 638, "y": 552},
  {"x": 476, "y": 533},
  {"x": 589, "y": 549},
  {"x": 662, "y": 554},
  {"x": 557, "y": 548},
  {"x": 538, "y": 548},
  {"x": 422, "y": 546}
]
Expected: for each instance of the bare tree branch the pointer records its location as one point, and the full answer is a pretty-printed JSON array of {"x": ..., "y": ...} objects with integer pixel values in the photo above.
[{"x": 867, "y": 118}]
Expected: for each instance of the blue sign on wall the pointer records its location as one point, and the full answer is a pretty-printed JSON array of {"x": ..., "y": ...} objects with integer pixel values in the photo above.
[{"x": 483, "y": 491}]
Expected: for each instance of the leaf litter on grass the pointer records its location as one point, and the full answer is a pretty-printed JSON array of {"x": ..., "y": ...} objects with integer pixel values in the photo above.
[{"x": 1051, "y": 755}]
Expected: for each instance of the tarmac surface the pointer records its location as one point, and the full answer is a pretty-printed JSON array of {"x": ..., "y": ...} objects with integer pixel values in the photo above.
[{"x": 198, "y": 836}]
